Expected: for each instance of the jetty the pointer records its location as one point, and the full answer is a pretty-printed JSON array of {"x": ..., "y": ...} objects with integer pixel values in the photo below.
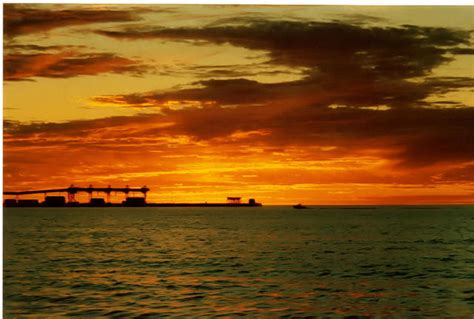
[{"x": 69, "y": 200}]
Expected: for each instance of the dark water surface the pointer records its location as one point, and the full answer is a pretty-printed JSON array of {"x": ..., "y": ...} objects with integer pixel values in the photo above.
[{"x": 269, "y": 262}]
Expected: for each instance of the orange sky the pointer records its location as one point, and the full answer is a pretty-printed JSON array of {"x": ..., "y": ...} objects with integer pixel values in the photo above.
[{"x": 285, "y": 104}]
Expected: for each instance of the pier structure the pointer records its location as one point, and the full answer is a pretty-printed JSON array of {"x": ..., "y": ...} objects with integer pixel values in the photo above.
[
  {"x": 72, "y": 190},
  {"x": 52, "y": 198}
]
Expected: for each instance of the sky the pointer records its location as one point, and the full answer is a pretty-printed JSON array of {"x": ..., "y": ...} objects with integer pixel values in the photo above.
[{"x": 284, "y": 104}]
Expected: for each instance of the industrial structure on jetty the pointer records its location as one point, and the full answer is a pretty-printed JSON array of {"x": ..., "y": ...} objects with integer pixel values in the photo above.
[{"x": 129, "y": 201}]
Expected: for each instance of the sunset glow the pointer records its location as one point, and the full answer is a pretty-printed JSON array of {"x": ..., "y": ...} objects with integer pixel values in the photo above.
[{"x": 284, "y": 104}]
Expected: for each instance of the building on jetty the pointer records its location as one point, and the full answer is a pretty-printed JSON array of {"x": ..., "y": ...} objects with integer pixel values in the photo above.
[{"x": 130, "y": 201}]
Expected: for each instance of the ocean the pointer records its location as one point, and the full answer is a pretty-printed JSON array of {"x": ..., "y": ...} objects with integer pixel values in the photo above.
[{"x": 262, "y": 262}]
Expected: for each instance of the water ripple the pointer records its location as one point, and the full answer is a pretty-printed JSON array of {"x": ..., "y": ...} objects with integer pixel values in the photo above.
[{"x": 269, "y": 262}]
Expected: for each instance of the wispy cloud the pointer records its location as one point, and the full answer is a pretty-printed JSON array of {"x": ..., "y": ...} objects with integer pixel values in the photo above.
[
  {"x": 64, "y": 62},
  {"x": 22, "y": 19}
]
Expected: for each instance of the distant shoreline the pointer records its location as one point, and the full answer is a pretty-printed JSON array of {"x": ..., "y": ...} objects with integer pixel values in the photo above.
[
  {"x": 145, "y": 205},
  {"x": 310, "y": 207}
]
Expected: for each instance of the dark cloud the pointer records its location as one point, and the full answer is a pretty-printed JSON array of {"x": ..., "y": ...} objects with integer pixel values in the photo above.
[
  {"x": 65, "y": 62},
  {"x": 459, "y": 174},
  {"x": 40, "y": 48},
  {"x": 349, "y": 69},
  {"x": 331, "y": 47},
  {"x": 21, "y": 19},
  {"x": 77, "y": 127},
  {"x": 318, "y": 90},
  {"x": 357, "y": 18},
  {"x": 223, "y": 92},
  {"x": 237, "y": 70},
  {"x": 409, "y": 138},
  {"x": 339, "y": 63},
  {"x": 462, "y": 51}
]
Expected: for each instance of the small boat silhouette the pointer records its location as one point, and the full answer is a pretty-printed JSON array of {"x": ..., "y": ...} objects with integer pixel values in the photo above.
[{"x": 299, "y": 206}]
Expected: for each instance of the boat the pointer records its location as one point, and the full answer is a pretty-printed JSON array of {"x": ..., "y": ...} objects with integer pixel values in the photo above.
[{"x": 299, "y": 206}]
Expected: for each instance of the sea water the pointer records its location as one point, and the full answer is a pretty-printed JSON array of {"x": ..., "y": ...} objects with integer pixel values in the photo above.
[{"x": 267, "y": 262}]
